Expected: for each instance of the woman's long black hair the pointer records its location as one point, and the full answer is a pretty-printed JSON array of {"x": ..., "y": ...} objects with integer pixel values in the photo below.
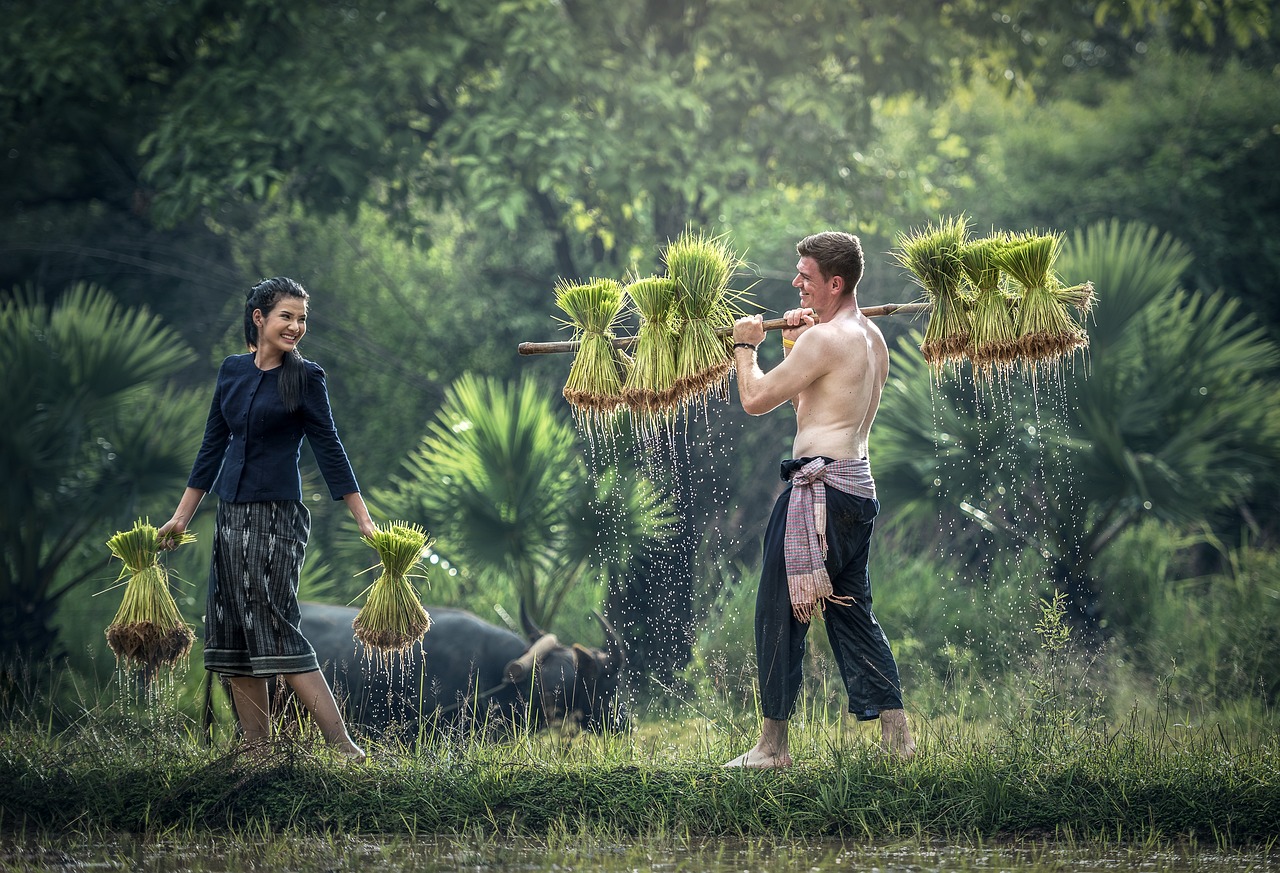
[{"x": 265, "y": 295}]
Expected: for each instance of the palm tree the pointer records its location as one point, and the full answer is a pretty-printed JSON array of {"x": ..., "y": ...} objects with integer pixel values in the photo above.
[
  {"x": 87, "y": 436},
  {"x": 1168, "y": 417},
  {"x": 500, "y": 480}
]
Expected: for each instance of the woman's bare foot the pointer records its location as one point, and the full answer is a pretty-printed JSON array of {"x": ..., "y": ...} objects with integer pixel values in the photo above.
[{"x": 351, "y": 752}]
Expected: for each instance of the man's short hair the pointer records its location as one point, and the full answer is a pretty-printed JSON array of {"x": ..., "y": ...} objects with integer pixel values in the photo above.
[{"x": 837, "y": 254}]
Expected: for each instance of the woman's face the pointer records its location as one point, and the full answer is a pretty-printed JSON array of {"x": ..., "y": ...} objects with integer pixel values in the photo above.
[{"x": 281, "y": 329}]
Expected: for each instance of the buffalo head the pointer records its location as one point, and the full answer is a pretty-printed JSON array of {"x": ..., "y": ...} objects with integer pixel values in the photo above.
[{"x": 576, "y": 684}]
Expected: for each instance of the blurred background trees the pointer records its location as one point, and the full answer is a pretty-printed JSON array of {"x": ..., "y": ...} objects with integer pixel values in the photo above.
[{"x": 429, "y": 169}]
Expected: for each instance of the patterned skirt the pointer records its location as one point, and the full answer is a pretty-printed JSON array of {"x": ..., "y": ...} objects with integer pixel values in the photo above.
[{"x": 252, "y": 621}]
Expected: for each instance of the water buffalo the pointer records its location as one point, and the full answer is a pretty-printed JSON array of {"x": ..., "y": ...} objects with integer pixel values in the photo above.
[{"x": 467, "y": 674}]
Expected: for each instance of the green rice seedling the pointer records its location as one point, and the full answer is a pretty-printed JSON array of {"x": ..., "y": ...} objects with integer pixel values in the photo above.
[
  {"x": 594, "y": 385},
  {"x": 701, "y": 267},
  {"x": 993, "y": 331},
  {"x": 932, "y": 255},
  {"x": 148, "y": 630},
  {"x": 392, "y": 618},
  {"x": 649, "y": 387},
  {"x": 1046, "y": 331},
  {"x": 1081, "y": 296}
]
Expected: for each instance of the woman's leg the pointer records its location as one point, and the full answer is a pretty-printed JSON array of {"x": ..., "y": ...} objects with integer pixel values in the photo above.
[
  {"x": 313, "y": 691},
  {"x": 253, "y": 707}
]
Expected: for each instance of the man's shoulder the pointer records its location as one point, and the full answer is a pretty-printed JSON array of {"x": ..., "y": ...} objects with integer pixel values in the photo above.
[{"x": 847, "y": 328}]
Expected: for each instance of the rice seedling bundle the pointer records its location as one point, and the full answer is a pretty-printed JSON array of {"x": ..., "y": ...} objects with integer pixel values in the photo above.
[
  {"x": 594, "y": 385},
  {"x": 649, "y": 386},
  {"x": 392, "y": 618},
  {"x": 701, "y": 267},
  {"x": 932, "y": 255},
  {"x": 993, "y": 347},
  {"x": 1045, "y": 329},
  {"x": 148, "y": 630}
]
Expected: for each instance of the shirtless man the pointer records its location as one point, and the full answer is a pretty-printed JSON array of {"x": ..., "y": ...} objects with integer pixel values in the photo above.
[{"x": 817, "y": 542}]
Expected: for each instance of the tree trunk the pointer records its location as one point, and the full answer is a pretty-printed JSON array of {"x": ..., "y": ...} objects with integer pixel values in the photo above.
[{"x": 26, "y": 633}]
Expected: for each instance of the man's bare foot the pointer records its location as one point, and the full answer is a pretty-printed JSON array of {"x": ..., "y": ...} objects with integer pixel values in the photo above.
[
  {"x": 771, "y": 751},
  {"x": 755, "y": 759},
  {"x": 895, "y": 735}
]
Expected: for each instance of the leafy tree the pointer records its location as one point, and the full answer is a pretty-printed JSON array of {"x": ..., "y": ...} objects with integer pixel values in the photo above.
[
  {"x": 606, "y": 129},
  {"x": 500, "y": 482},
  {"x": 1169, "y": 417},
  {"x": 89, "y": 436},
  {"x": 1183, "y": 145}
]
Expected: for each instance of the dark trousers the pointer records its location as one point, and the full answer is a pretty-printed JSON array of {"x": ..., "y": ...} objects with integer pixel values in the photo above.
[{"x": 861, "y": 649}]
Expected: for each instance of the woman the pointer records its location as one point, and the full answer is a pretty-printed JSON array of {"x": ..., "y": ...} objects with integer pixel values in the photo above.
[{"x": 264, "y": 403}]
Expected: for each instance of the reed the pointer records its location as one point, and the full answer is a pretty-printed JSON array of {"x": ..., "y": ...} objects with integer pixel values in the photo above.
[
  {"x": 649, "y": 388},
  {"x": 993, "y": 347},
  {"x": 1046, "y": 331}
]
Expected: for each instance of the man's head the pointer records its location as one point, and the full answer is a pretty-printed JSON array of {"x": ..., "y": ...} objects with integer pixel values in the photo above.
[{"x": 837, "y": 254}]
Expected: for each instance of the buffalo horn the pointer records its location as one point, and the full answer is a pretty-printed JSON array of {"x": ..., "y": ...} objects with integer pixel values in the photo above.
[
  {"x": 531, "y": 630},
  {"x": 614, "y": 648},
  {"x": 519, "y": 669}
]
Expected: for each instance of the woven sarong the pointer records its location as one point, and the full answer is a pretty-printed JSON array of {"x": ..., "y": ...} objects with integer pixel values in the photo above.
[
  {"x": 252, "y": 620},
  {"x": 806, "y": 544}
]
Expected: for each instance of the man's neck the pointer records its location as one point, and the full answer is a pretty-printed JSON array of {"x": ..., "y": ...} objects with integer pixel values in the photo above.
[{"x": 846, "y": 304}]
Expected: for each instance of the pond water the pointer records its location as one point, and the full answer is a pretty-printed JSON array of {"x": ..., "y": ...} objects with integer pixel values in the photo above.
[{"x": 324, "y": 853}]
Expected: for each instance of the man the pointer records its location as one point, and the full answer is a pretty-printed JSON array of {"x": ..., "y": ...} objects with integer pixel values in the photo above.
[{"x": 817, "y": 543}]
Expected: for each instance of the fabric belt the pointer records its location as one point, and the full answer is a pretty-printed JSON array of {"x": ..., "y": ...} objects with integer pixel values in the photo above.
[{"x": 806, "y": 539}]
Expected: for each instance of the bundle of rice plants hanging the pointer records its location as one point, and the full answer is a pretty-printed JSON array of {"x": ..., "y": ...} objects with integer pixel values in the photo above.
[
  {"x": 392, "y": 618},
  {"x": 649, "y": 387},
  {"x": 932, "y": 255},
  {"x": 993, "y": 347},
  {"x": 701, "y": 267},
  {"x": 148, "y": 630},
  {"x": 1045, "y": 329},
  {"x": 594, "y": 385},
  {"x": 1081, "y": 296}
]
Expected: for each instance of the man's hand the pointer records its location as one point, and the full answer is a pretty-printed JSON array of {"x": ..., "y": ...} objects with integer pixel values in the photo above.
[
  {"x": 749, "y": 329},
  {"x": 800, "y": 321}
]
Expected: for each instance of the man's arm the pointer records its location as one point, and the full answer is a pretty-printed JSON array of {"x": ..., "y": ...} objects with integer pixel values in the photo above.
[{"x": 762, "y": 392}]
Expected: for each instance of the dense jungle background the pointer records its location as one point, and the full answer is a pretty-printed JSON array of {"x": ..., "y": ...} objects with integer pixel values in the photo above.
[{"x": 429, "y": 170}]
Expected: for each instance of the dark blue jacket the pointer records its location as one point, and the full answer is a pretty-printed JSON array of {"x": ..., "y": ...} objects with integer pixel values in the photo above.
[{"x": 251, "y": 445}]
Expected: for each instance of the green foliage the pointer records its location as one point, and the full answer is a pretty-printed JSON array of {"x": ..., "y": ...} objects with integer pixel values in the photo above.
[
  {"x": 1184, "y": 145},
  {"x": 90, "y": 435},
  {"x": 129, "y": 771},
  {"x": 1141, "y": 430},
  {"x": 1198, "y": 618},
  {"x": 500, "y": 482}
]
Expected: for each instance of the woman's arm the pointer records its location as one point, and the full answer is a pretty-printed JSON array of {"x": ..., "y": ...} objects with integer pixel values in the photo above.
[
  {"x": 182, "y": 516},
  {"x": 360, "y": 513}
]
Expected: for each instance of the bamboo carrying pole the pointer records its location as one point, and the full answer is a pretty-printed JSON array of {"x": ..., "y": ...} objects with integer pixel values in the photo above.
[{"x": 879, "y": 311}]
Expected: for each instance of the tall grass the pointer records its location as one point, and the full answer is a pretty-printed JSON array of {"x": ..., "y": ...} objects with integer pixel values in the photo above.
[
  {"x": 1050, "y": 767},
  {"x": 1168, "y": 732}
]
